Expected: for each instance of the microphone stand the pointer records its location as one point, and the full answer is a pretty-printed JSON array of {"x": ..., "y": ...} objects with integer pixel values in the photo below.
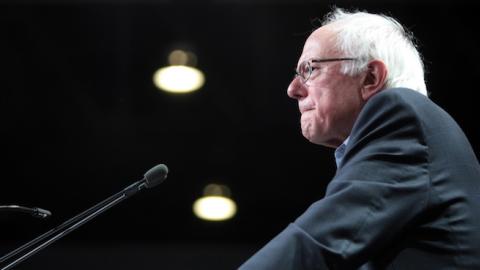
[{"x": 70, "y": 225}]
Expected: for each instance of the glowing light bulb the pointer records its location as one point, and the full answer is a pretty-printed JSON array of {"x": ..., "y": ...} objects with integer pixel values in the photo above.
[
  {"x": 215, "y": 205},
  {"x": 214, "y": 208},
  {"x": 180, "y": 76}
]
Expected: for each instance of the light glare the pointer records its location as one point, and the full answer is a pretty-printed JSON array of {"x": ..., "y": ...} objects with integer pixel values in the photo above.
[
  {"x": 214, "y": 208},
  {"x": 178, "y": 79}
]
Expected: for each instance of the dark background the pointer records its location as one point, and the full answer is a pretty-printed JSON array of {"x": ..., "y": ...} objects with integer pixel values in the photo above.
[{"x": 81, "y": 119}]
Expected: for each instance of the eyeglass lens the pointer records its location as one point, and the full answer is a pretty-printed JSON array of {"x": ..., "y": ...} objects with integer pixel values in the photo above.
[{"x": 304, "y": 71}]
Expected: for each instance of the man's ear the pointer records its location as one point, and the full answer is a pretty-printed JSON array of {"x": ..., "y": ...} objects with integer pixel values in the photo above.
[{"x": 374, "y": 80}]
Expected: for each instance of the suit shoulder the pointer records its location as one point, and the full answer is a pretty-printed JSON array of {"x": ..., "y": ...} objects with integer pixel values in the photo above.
[
  {"x": 401, "y": 95},
  {"x": 393, "y": 101}
]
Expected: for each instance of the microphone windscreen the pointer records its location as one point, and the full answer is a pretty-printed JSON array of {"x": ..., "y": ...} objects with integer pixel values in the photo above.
[{"x": 155, "y": 175}]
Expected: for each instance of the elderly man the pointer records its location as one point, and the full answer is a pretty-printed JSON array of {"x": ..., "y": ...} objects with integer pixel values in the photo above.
[{"x": 406, "y": 194}]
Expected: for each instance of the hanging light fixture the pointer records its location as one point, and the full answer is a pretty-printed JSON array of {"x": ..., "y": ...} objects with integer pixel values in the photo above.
[
  {"x": 180, "y": 76},
  {"x": 216, "y": 204}
]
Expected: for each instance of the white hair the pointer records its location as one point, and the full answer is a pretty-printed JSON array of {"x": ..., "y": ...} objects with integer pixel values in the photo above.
[{"x": 367, "y": 36}]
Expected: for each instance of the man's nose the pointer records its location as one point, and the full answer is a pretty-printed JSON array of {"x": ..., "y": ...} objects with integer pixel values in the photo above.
[{"x": 296, "y": 89}]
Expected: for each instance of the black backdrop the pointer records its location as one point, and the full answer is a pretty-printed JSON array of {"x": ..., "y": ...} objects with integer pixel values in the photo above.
[{"x": 81, "y": 119}]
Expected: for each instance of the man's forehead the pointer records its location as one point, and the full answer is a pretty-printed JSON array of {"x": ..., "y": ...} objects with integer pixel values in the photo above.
[{"x": 319, "y": 44}]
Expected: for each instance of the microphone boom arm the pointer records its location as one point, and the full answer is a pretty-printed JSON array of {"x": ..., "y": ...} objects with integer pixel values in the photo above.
[{"x": 82, "y": 218}]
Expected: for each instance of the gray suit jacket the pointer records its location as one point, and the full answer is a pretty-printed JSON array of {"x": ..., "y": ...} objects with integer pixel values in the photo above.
[{"x": 405, "y": 196}]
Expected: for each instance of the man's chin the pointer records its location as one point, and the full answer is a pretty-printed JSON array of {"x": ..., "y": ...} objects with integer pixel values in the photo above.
[
  {"x": 307, "y": 135},
  {"x": 319, "y": 141},
  {"x": 311, "y": 138}
]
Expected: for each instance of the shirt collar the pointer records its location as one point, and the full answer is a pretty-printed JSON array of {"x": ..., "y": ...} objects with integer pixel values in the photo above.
[{"x": 340, "y": 152}]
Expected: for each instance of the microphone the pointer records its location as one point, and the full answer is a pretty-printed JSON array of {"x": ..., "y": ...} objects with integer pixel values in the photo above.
[
  {"x": 34, "y": 211},
  {"x": 151, "y": 178},
  {"x": 155, "y": 175}
]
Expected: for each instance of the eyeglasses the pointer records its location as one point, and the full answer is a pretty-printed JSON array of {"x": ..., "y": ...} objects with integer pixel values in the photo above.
[{"x": 305, "y": 68}]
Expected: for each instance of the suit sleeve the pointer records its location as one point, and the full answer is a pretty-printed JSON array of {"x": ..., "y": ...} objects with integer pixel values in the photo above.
[{"x": 380, "y": 187}]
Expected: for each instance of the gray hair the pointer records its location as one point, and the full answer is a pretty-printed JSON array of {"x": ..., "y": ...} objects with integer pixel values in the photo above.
[{"x": 369, "y": 36}]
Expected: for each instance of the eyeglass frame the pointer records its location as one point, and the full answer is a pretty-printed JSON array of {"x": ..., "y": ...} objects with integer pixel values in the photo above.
[{"x": 310, "y": 69}]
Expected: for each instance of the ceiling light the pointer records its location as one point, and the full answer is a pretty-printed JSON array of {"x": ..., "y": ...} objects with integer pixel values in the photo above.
[
  {"x": 215, "y": 205},
  {"x": 180, "y": 76}
]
